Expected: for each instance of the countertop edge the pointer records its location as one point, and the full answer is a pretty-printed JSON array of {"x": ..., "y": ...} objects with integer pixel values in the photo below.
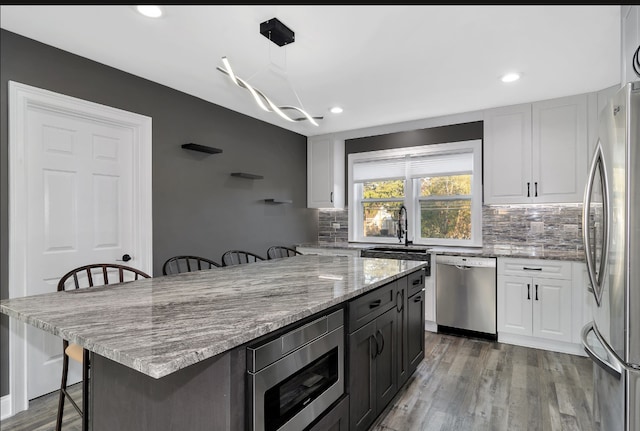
[{"x": 497, "y": 252}]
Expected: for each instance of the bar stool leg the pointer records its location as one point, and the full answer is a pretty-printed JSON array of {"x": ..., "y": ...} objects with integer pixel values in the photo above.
[
  {"x": 85, "y": 390},
  {"x": 63, "y": 389}
]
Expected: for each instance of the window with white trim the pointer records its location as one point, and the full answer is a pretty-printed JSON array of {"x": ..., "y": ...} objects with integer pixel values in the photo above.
[{"x": 440, "y": 186}]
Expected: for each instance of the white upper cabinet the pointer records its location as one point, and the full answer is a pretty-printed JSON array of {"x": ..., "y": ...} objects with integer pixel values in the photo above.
[
  {"x": 560, "y": 149},
  {"x": 536, "y": 153},
  {"x": 507, "y": 154},
  {"x": 325, "y": 173}
]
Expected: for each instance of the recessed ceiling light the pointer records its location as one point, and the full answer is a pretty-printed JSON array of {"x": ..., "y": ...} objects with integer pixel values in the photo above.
[
  {"x": 336, "y": 110},
  {"x": 150, "y": 11},
  {"x": 510, "y": 77}
]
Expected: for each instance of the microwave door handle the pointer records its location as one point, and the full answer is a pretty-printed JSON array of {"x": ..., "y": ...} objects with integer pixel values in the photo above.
[{"x": 614, "y": 369}]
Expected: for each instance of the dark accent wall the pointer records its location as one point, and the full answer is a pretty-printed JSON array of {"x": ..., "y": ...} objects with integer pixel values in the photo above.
[
  {"x": 411, "y": 138},
  {"x": 198, "y": 208}
]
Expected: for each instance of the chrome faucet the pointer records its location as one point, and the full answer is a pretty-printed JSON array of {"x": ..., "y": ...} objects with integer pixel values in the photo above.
[{"x": 402, "y": 226}]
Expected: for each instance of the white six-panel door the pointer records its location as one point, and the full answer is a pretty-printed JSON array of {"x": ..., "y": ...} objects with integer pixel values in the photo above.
[
  {"x": 80, "y": 193},
  {"x": 80, "y": 197}
]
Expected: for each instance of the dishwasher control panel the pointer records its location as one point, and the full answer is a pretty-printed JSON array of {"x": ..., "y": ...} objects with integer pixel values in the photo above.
[{"x": 482, "y": 262}]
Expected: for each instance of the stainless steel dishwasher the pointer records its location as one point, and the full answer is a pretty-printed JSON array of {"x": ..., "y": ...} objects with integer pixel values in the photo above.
[{"x": 466, "y": 295}]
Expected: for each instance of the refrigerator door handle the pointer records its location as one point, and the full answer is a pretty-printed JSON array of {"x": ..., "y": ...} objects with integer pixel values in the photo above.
[
  {"x": 615, "y": 369},
  {"x": 596, "y": 279}
]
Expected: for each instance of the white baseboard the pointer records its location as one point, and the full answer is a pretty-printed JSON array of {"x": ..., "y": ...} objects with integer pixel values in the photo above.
[
  {"x": 5, "y": 407},
  {"x": 430, "y": 326}
]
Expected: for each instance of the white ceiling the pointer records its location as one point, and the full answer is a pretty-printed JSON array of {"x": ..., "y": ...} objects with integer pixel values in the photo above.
[{"x": 383, "y": 64}]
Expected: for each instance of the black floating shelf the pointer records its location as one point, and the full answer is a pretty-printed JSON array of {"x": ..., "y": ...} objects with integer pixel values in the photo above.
[
  {"x": 278, "y": 201},
  {"x": 245, "y": 175},
  {"x": 201, "y": 148}
]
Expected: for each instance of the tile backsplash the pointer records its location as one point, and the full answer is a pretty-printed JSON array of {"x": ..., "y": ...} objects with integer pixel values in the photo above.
[
  {"x": 551, "y": 227},
  {"x": 333, "y": 226}
]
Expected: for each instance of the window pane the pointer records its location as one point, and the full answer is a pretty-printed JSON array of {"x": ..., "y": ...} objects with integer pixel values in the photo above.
[
  {"x": 383, "y": 189},
  {"x": 446, "y": 186},
  {"x": 449, "y": 219},
  {"x": 381, "y": 219}
]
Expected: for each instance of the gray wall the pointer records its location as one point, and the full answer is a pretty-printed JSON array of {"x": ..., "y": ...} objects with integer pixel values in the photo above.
[{"x": 198, "y": 208}]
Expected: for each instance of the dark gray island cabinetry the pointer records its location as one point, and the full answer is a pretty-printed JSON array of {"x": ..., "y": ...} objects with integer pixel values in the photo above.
[
  {"x": 171, "y": 353},
  {"x": 386, "y": 343}
]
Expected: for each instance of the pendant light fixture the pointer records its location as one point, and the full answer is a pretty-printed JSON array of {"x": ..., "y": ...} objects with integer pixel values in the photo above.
[{"x": 281, "y": 35}]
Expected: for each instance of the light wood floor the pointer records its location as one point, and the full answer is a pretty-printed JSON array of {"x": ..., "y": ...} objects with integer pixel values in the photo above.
[
  {"x": 41, "y": 415},
  {"x": 464, "y": 384},
  {"x": 469, "y": 384}
]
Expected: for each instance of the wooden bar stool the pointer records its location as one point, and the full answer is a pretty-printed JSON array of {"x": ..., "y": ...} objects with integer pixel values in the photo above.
[
  {"x": 99, "y": 274},
  {"x": 179, "y": 264},
  {"x": 237, "y": 257},
  {"x": 278, "y": 251}
]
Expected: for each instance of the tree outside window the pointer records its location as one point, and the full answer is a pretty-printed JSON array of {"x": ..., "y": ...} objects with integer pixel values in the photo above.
[
  {"x": 381, "y": 203},
  {"x": 445, "y": 207}
]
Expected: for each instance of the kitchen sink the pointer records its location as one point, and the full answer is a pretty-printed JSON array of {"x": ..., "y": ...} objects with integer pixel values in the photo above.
[
  {"x": 400, "y": 252},
  {"x": 398, "y": 249}
]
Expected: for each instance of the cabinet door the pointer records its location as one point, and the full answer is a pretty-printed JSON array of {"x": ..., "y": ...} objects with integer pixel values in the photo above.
[
  {"x": 386, "y": 359},
  {"x": 402, "y": 330},
  {"x": 336, "y": 419},
  {"x": 325, "y": 173},
  {"x": 507, "y": 154},
  {"x": 362, "y": 377},
  {"x": 560, "y": 149},
  {"x": 552, "y": 309},
  {"x": 367, "y": 307},
  {"x": 514, "y": 305},
  {"x": 415, "y": 330}
]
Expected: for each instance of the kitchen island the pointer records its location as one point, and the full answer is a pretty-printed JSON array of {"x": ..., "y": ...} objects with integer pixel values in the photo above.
[{"x": 169, "y": 352}]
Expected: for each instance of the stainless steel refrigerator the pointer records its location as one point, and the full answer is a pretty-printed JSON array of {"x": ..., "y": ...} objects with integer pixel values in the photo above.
[{"x": 611, "y": 229}]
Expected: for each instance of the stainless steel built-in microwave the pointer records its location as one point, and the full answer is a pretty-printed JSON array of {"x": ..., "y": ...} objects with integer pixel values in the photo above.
[{"x": 294, "y": 378}]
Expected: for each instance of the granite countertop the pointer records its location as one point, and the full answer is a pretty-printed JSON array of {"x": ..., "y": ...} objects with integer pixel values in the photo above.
[
  {"x": 160, "y": 325},
  {"x": 527, "y": 252}
]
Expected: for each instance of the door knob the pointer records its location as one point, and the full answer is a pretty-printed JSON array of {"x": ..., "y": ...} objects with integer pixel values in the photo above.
[{"x": 125, "y": 258}]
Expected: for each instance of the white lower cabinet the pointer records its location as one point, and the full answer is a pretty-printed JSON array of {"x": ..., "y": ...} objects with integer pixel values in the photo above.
[
  {"x": 430, "y": 298},
  {"x": 535, "y": 306},
  {"x": 535, "y": 302}
]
